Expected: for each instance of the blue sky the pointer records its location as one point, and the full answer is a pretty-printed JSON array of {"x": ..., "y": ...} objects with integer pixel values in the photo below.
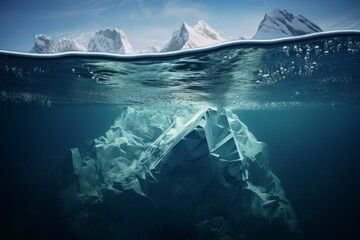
[{"x": 152, "y": 22}]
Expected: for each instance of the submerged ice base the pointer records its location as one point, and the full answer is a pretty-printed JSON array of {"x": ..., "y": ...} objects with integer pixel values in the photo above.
[{"x": 175, "y": 174}]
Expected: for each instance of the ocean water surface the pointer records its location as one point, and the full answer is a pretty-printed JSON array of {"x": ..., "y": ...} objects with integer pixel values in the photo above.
[{"x": 300, "y": 96}]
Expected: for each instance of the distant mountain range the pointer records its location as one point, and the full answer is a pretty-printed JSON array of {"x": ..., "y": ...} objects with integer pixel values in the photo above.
[{"x": 277, "y": 24}]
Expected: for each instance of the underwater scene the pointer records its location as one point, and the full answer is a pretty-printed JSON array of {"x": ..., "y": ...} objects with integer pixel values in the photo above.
[{"x": 255, "y": 139}]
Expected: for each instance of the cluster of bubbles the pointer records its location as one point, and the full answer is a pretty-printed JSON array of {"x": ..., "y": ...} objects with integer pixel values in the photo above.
[
  {"x": 20, "y": 72},
  {"x": 25, "y": 98},
  {"x": 16, "y": 71},
  {"x": 85, "y": 72},
  {"x": 16, "y": 76},
  {"x": 303, "y": 60}
]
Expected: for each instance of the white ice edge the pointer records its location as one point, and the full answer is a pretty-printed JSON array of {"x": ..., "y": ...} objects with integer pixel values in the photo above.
[{"x": 181, "y": 53}]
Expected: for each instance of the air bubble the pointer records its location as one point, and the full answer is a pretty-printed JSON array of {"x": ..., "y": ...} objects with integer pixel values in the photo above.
[
  {"x": 48, "y": 104},
  {"x": 286, "y": 50}
]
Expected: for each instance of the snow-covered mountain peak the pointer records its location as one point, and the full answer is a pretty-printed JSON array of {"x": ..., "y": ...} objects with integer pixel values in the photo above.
[
  {"x": 281, "y": 23},
  {"x": 191, "y": 37},
  {"x": 110, "y": 40},
  {"x": 184, "y": 29},
  {"x": 185, "y": 26},
  {"x": 282, "y": 13},
  {"x": 43, "y": 44},
  {"x": 202, "y": 26},
  {"x": 202, "y": 23}
]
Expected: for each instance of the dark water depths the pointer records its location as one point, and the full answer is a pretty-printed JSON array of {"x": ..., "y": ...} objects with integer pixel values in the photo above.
[{"x": 304, "y": 106}]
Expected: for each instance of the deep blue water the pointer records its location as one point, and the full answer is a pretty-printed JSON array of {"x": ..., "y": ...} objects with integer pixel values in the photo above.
[{"x": 308, "y": 114}]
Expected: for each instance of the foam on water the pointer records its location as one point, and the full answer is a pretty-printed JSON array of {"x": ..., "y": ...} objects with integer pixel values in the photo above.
[{"x": 320, "y": 69}]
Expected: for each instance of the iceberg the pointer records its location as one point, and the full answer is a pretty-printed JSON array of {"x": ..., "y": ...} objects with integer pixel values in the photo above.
[
  {"x": 281, "y": 23},
  {"x": 199, "y": 35},
  {"x": 43, "y": 44},
  {"x": 110, "y": 40},
  {"x": 70, "y": 45},
  {"x": 177, "y": 173}
]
